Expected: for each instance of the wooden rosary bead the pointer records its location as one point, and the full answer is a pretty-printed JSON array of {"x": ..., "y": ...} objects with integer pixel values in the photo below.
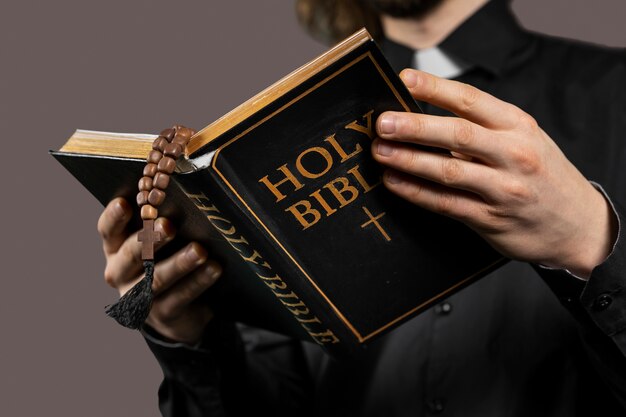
[
  {"x": 145, "y": 184},
  {"x": 161, "y": 180},
  {"x": 173, "y": 149},
  {"x": 181, "y": 140},
  {"x": 168, "y": 134},
  {"x": 148, "y": 212},
  {"x": 150, "y": 170},
  {"x": 159, "y": 143},
  {"x": 161, "y": 163},
  {"x": 154, "y": 156},
  {"x": 167, "y": 165},
  {"x": 142, "y": 198},
  {"x": 184, "y": 131},
  {"x": 156, "y": 197}
]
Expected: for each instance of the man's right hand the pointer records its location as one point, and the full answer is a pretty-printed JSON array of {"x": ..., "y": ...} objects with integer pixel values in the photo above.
[{"x": 178, "y": 280}]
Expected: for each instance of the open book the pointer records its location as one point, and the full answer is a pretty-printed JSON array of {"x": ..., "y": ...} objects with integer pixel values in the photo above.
[{"x": 284, "y": 192}]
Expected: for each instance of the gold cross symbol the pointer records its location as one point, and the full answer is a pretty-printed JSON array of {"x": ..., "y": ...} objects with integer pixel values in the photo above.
[
  {"x": 148, "y": 237},
  {"x": 374, "y": 220}
]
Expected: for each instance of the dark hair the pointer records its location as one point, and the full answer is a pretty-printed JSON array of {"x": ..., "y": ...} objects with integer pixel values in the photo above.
[{"x": 330, "y": 21}]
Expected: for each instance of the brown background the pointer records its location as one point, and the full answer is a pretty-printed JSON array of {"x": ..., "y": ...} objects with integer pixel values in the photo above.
[{"x": 137, "y": 66}]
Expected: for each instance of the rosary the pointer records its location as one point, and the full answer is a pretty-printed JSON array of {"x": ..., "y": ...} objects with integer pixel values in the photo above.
[{"x": 132, "y": 309}]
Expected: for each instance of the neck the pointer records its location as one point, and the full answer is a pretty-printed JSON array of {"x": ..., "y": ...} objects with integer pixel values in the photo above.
[{"x": 432, "y": 28}]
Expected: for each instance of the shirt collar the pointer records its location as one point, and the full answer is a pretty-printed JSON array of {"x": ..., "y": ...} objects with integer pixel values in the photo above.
[
  {"x": 437, "y": 62},
  {"x": 488, "y": 39}
]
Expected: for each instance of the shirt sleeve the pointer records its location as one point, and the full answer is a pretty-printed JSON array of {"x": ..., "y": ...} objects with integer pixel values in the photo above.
[
  {"x": 192, "y": 375},
  {"x": 236, "y": 370},
  {"x": 599, "y": 306}
]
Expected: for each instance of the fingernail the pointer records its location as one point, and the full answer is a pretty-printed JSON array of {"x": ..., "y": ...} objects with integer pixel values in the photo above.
[
  {"x": 392, "y": 178},
  {"x": 195, "y": 255},
  {"x": 409, "y": 78},
  {"x": 387, "y": 124},
  {"x": 160, "y": 226},
  {"x": 118, "y": 210},
  {"x": 214, "y": 271},
  {"x": 383, "y": 148}
]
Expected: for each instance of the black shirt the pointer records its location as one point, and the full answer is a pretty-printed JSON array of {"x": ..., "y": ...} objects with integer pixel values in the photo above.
[{"x": 524, "y": 341}]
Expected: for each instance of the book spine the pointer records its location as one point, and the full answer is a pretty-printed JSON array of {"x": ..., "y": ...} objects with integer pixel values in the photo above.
[{"x": 257, "y": 256}]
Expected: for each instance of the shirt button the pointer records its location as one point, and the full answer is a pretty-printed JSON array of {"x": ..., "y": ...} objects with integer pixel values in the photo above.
[
  {"x": 602, "y": 302},
  {"x": 443, "y": 308},
  {"x": 436, "y": 406}
]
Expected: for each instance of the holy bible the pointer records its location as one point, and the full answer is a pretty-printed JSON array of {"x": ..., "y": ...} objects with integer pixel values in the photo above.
[{"x": 284, "y": 193}]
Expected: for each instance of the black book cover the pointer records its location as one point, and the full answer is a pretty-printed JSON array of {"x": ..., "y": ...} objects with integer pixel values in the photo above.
[{"x": 332, "y": 256}]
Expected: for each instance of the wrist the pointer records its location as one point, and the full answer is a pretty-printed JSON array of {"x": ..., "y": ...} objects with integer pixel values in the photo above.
[{"x": 596, "y": 238}]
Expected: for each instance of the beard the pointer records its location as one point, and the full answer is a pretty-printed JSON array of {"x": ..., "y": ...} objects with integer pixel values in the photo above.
[{"x": 403, "y": 8}]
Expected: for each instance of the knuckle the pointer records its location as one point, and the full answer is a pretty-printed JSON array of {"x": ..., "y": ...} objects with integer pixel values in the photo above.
[
  {"x": 517, "y": 192},
  {"x": 418, "y": 126},
  {"x": 444, "y": 204},
  {"x": 109, "y": 277},
  {"x": 527, "y": 122},
  {"x": 410, "y": 160},
  {"x": 464, "y": 134},
  {"x": 468, "y": 97},
  {"x": 526, "y": 161},
  {"x": 410, "y": 126},
  {"x": 451, "y": 171}
]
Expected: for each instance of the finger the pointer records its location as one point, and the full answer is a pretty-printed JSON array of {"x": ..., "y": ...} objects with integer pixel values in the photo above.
[
  {"x": 185, "y": 328},
  {"x": 456, "y": 204},
  {"x": 183, "y": 262},
  {"x": 450, "y": 133},
  {"x": 172, "y": 302},
  {"x": 112, "y": 224},
  {"x": 444, "y": 169},
  {"x": 124, "y": 266},
  {"x": 462, "y": 99}
]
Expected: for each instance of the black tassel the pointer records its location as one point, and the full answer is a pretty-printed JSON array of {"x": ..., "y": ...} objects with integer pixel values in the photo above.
[{"x": 132, "y": 309}]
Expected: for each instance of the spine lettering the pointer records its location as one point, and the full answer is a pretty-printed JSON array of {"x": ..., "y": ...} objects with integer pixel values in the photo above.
[{"x": 309, "y": 321}]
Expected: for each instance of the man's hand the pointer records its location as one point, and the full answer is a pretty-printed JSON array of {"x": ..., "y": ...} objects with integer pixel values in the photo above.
[
  {"x": 506, "y": 178},
  {"x": 178, "y": 280}
]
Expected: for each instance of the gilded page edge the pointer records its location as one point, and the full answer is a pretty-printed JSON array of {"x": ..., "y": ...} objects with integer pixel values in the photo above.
[{"x": 276, "y": 90}]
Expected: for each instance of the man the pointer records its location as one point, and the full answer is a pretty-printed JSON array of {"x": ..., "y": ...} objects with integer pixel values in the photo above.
[{"x": 503, "y": 346}]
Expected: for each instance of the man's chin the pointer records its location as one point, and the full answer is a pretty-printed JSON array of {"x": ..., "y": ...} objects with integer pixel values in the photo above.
[{"x": 403, "y": 8}]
